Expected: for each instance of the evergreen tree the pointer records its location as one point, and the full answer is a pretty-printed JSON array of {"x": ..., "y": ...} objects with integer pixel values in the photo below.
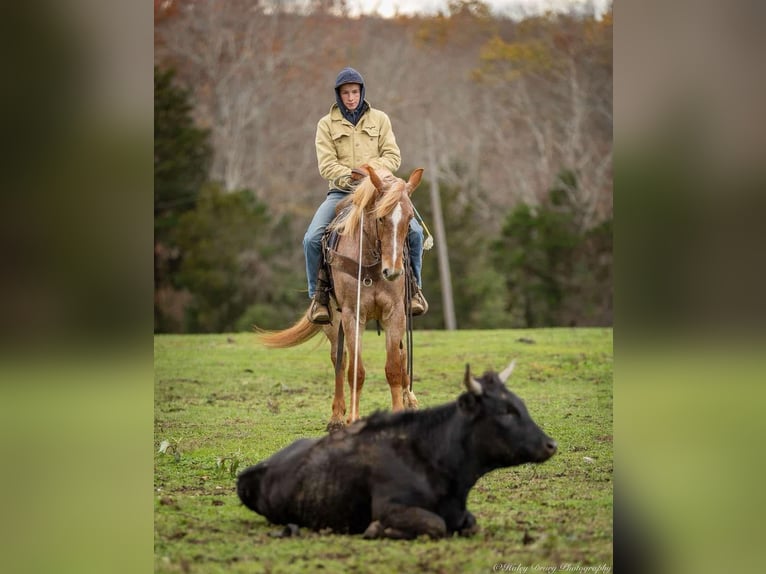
[
  {"x": 182, "y": 154},
  {"x": 182, "y": 157},
  {"x": 234, "y": 264},
  {"x": 555, "y": 273}
]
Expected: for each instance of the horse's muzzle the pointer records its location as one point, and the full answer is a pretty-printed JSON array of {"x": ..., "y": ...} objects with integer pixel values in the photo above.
[{"x": 390, "y": 274}]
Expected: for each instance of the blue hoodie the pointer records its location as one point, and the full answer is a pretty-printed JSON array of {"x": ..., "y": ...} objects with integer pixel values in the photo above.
[{"x": 351, "y": 76}]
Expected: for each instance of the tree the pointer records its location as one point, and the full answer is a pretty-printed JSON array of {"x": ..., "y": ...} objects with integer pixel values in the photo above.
[
  {"x": 181, "y": 158},
  {"x": 477, "y": 288},
  {"x": 252, "y": 66},
  {"x": 181, "y": 152},
  {"x": 517, "y": 102},
  {"x": 232, "y": 261},
  {"x": 555, "y": 273},
  {"x": 551, "y": 84}
]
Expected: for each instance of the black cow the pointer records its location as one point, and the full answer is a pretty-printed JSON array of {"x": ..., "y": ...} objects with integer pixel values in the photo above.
[{"x": 403, "y": 474}]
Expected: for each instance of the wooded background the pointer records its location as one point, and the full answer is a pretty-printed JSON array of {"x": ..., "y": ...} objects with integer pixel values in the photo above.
[{"x": 520, "y": 112}]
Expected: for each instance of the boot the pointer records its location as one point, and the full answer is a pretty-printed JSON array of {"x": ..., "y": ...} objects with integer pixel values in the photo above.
[
  {"x": 418, "y": 304},
  {"x": 319, "y": 312}
]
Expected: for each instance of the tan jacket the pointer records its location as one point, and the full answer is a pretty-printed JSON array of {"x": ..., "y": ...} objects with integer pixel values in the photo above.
[{"x": 342, "y": 146}]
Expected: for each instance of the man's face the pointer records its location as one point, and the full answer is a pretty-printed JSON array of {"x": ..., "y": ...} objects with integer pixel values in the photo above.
[{"x": 350, "y": 95}]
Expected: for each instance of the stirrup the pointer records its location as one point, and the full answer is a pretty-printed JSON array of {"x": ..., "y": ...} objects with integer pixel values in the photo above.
[{"x": 418, "y": 304}]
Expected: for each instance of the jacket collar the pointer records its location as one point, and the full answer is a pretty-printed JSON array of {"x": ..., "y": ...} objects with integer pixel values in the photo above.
[{"x": 337, "y": 115}]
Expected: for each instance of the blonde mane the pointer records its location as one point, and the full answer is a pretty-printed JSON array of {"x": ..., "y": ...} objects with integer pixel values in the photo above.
[{"x": 365, "y": 196}]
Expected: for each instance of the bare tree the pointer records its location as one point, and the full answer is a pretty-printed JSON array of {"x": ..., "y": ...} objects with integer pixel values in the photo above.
[
  {"x": 552, "y": 112},
  {"x": 248, "y": 66}
]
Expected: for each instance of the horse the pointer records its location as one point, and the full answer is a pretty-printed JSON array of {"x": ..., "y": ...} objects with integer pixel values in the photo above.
[{"x": 381, "y": 208}]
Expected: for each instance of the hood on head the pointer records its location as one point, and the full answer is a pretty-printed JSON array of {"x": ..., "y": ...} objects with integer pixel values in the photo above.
[{"x": 349, "y": 76}]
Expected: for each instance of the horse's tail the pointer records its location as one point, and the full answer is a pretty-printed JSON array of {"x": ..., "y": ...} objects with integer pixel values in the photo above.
[{"x": 302, "y": 331}]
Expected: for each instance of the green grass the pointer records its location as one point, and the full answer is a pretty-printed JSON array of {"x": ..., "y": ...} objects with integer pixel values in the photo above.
[{"x": 221, "y": 399}]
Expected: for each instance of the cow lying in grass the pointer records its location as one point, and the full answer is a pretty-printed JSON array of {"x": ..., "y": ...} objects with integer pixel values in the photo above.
[{"x": 399, "y": 475}]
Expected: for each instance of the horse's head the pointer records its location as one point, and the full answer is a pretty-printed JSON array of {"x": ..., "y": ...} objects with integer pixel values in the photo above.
[{"x": 393, "y": 212}]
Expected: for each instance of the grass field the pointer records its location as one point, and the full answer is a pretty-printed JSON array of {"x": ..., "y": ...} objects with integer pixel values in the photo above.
[{"x": 222, "y": 403}]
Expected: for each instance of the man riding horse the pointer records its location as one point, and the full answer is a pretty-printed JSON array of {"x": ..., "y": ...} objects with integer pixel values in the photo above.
[
  {"x": 368, "y": 263},
  {"x": 352, "y": 134}
]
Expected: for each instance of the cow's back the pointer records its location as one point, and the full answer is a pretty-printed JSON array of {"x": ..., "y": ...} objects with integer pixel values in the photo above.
[
  {"x": 316, "y": 483},
  {"x": 255, "y": 484}
]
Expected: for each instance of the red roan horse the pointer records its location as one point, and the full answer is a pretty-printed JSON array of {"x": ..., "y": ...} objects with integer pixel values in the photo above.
[{"x": 381, "y": 207}]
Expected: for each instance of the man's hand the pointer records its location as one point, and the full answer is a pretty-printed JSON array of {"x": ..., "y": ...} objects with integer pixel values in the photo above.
[{"x": 351, "y": 181}]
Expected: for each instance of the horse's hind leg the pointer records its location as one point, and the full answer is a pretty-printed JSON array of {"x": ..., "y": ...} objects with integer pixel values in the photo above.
[{"x": 339, "y": 400}]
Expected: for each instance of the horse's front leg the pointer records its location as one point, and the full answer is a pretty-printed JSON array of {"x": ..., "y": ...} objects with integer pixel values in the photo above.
[
  {"x": 338, "y": 401},
  {"x": 355, "y": 365},
  {"x": 408, "y": 397},
  {"x": 396, "y": 364}
]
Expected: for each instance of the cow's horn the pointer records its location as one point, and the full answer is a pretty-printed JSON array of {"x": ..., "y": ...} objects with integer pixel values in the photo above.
[
  {"x": 507, "y": 372},
  {"x": 471, "y": 384}
]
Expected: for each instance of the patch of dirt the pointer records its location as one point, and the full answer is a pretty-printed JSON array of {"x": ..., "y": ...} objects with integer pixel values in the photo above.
[{"x": 177, "y": 535}]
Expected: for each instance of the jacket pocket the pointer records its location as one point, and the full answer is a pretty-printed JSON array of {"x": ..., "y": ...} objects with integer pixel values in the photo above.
[{"x": 342, "y": 141}]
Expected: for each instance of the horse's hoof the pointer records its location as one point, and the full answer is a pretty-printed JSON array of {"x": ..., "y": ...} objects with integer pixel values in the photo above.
[
  {"x": 410, "y": 401},
  {"x": 334, "y": 426}
]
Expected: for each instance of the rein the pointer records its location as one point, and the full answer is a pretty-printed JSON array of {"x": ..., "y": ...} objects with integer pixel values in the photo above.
[
  {"x": 408, "y": 314},
  {"x": 356, "y": 330}
]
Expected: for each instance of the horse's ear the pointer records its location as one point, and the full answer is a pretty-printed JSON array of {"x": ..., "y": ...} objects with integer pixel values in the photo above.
[
  {"x": 374, "y": 177},
  {"x": 414, "y": 180}
]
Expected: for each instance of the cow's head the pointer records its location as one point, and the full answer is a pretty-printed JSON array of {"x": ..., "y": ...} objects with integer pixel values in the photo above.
[{"x": 504, "y": 434}]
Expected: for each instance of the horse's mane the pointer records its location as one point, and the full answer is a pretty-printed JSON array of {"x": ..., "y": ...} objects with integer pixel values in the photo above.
[{"x": 366, "y": 196}]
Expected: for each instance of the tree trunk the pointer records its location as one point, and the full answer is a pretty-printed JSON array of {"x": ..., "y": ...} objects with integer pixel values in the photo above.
[{"x": 441, "y": 237}]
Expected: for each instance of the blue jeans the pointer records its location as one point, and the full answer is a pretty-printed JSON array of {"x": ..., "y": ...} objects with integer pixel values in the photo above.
[{"x": 312, "y": 241}]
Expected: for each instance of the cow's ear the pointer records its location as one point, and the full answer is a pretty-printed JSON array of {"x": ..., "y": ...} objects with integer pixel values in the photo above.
[{"x": 468, "y": 403}]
